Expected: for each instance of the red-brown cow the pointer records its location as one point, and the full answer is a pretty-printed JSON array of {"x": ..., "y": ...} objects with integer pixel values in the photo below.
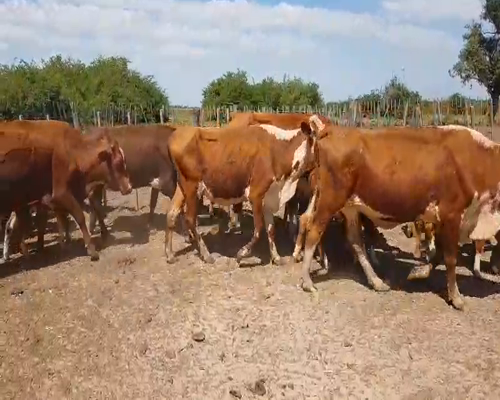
[
  {"x": 261, "y": 163},
  {"x": 49, "y": 160},
  {"x": 446, "y": 175}
]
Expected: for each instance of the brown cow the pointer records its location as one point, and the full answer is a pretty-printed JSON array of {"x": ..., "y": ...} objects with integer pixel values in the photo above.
[
  {"x": 148, "y": 161},
  {"x": 283, "y": 121},
  {"x": 148, "y": 164},
  {"x": 49, "y": 160},
  {"x": 261, "y": 163},
  {"x": 448, "y": 175},
  {"x": 414, "y": 230}
]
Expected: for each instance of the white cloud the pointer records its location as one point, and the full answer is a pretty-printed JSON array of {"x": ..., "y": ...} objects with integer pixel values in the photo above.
[
  {"x": 185, "y": 44},
  {"x": 429, "y": 10}
]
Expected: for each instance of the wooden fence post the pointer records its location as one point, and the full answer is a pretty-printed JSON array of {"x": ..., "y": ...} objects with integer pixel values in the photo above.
[
  {"x": 472, "y": 117},
  {"x": 98, "y": 118},
  {"x": 48, "y": 117},
  {"x": 20, "y": 117},
  {"x": 227, "y": 115},
  {"x": 405, "y": 111},
  {"x": 129, "y": 120},
  {"x": 161, "y": 115},
  {"x": 418, "y": 116},
  {"x": 440, "y": 116},
  {"x": 218, "y": 117}
]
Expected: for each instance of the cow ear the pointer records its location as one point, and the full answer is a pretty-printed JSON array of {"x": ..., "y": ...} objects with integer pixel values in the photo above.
[
  {"x": 306, "y": 129},
  {"x": 316, "y": 124}
]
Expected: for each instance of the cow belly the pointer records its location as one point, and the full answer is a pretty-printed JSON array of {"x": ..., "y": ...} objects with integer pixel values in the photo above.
[
  {"x": 381, "y": 220},
  {"x": 278, "y": 194},
  {"x": 205, "y": 190}
]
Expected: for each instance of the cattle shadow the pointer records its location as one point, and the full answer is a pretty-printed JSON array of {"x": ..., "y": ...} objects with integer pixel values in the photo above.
[
  {"x": 395, "y": 265},
  {"x": 52, "y": 254},
  {"x": 228, "y": 244}
]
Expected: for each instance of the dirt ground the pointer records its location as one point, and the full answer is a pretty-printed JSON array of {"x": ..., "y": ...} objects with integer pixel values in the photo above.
[{"x": 131, "y": 326}]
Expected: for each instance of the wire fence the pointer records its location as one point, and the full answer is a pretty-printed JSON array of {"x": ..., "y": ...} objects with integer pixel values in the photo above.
[{"x": 473, "y": 113}]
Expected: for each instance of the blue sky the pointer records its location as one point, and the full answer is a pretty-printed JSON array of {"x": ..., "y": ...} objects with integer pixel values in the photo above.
[{"x": 347, "y": 47}]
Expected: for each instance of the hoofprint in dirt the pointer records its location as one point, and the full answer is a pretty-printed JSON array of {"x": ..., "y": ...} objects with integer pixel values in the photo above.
[{"x": 132, "y": 327}]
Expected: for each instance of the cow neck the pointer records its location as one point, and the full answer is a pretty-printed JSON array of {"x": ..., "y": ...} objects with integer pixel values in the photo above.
[
  {"x": 287, "y": 153},
  {"x": 87, "y": 155}
]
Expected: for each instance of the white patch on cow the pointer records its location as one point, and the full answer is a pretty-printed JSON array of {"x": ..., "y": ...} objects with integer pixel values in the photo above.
[
  {"x": 477, "y": 263},
  {"x": 280, "y": 134},
  {"x": 123, "y": 156},
  {"x": 314, "y": 119},
  {"x": 430, "y": 214},
  {"x": 378, "y": 218},
  {"x": 155, "y": 184},
  {"x": 432, "y": 245},
  {"x": 480, "y": 220},
  {"x": 9, "y": 231},
  {"x": 477, "y": 136},
  {"x": 204, "y": 190}
]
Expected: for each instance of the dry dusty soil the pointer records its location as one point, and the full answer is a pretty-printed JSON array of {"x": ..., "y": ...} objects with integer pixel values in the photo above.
[{"x": 132, "y": 327}]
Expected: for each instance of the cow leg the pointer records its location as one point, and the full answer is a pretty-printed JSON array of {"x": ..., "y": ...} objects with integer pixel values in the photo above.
[
  {"x": 68, "y": 202},
  {"x": 95, "y": 200},
  {"x": 97, "y": 211},
  {"x": 176, "y": 206},
  {"x": 479, "y": 247},
  {"x": 416, "y": 234},
  {"x": 449, "y": 237},
  {"x": 11, "y": 226},
  {"x": 42, "y": 216},
  {"x": 235, "y": 213},
  {"x": 353, "y": 226},
  {"x": 291, "y": 212},
  {"x": 256, "y": 199},
  {"x": 191, "y": 200},
  {"x": 371, "y": 236},
  {"x": 153, "y": 200},
  {"x": 315, "y": 222},
  {"x": 269, "y": 221}
]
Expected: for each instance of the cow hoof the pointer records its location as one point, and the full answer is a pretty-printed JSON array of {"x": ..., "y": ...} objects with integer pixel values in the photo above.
[
  {"x": 420, "y": 272},
  {"x": 94, "y": 256},
  {"x": 380, "y": 286},
  {"x": 242, "y": 253},
  {"x": 277, "y": 261},
  {"x": 458, "y": 303},
  {"x": 297, "y": 257},
  {"x": 170, "y": 259},
  {"x": 209, "y": 259},
  {"x": 308, "y": 286}
]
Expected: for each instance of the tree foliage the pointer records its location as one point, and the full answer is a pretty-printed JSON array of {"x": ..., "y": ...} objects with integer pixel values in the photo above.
[
  {"x": 479, "y": 59},
  {"x": 66, "y": 89},
  {"x": 234, "y": 88}
]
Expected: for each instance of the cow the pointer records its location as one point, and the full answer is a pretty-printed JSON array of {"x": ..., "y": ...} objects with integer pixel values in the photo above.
[
  {"x": 448, "y": 175},
  {"x": 148, "y": 164},
  {"x": 284, "y": 121},
  {"x": 48, "y": 161},
  {"x": 414, "y": 230},
  {"x": 261, "y": 163},
  {"x": 148, "y": 161}
]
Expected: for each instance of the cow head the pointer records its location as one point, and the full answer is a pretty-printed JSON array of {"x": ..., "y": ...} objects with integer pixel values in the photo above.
[
  {"x": 118, "y": 168},
  {"x": 110, "y": 153},
  {"x": 313, "y": 131}
]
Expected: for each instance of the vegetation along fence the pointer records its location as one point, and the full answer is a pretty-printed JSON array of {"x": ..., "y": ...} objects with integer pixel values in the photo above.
[{"x": 473, "y": 113}]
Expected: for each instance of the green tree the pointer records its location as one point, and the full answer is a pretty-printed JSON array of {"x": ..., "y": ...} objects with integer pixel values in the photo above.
[
  {"x": 234, "y": 88},
  {"x": 479, "y": 59},
  {"x": 68, "y": 89},
  {"x": 230, "y": 88}
]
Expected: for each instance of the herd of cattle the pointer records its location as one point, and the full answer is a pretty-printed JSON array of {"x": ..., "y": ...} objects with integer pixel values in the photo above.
[{"x": 443, "y": 182}]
